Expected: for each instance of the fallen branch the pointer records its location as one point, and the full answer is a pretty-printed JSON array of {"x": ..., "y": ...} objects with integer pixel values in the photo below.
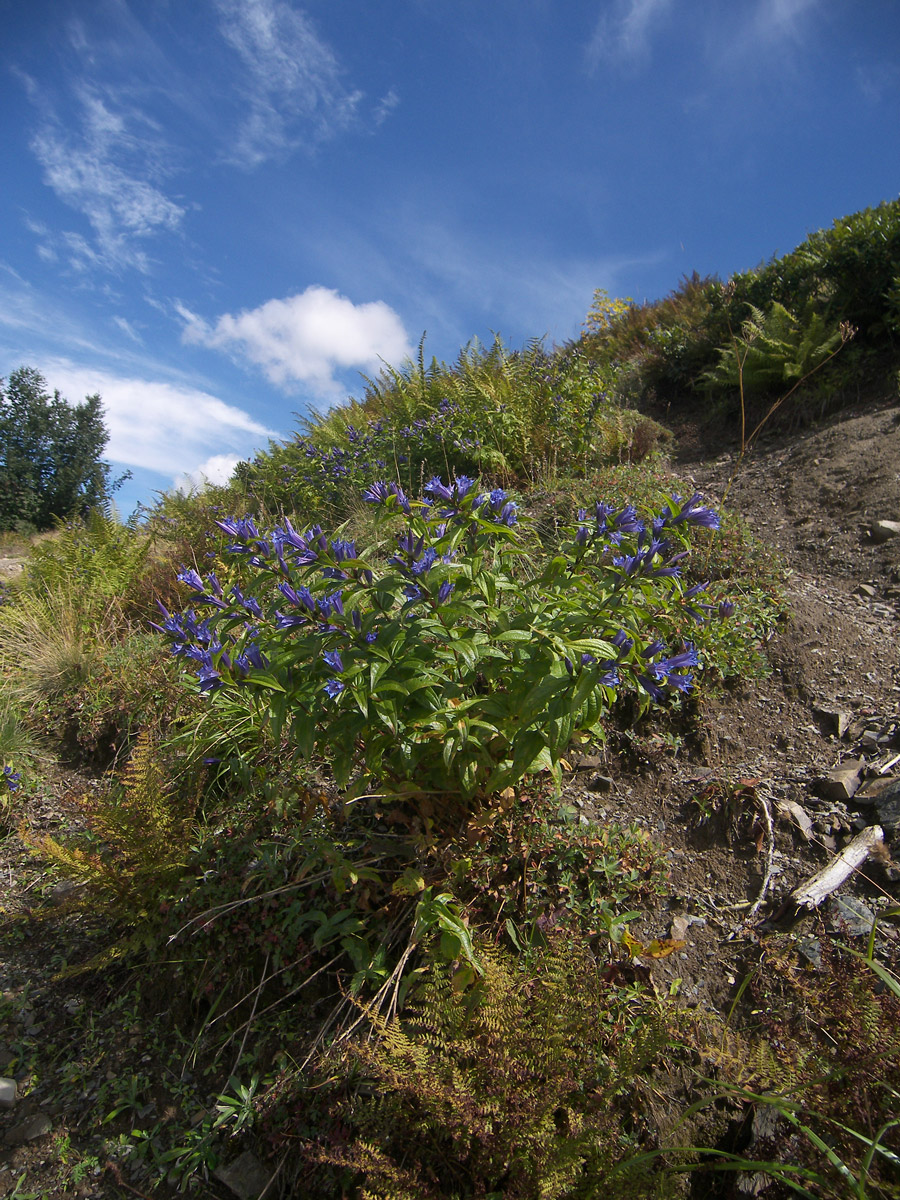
[{"x": 809, "y": 895}]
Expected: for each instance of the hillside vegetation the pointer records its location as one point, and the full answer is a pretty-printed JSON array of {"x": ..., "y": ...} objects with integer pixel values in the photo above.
[{"x": 317, "y": 846}]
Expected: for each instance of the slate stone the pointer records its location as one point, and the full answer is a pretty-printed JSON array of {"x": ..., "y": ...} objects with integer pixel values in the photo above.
[
  {"x": 878, "y": 790},
  {"x": 850, "y": 915},
  {"x": 842, "y": 783},
  {"x": 888, "y": 809},
  {"x": 833, "y": 720},
  {"x": 810, "y": 948},
  {"x": 35, "y": 1126},
  {"x": 245, "y": 1176},
  {"x": 601, "y": 783},
  {"x": 7, "y": 1092}
]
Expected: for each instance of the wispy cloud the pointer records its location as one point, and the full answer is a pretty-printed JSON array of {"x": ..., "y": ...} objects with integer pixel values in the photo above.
[
  {"x": 165, "y": 427},
  {"x": 385, "y": 107},
  {"x": 292, "y": 81},
  {"x": 107, "y": 166},
  {"x": 772, "y": 35},
  {"x": 307, "y": 338},
  {"x": 780, "y": 21},
  {"x": 623, "y": 32}
]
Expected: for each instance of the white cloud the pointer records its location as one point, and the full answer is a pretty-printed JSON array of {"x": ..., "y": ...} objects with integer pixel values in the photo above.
[
  {"x": 291, "y": 80},
  {"x": 308, "y": 337},
  {"x": 107, "y": 169},
  {"x": 218, "y": 468},
  {"x": 622, "y": 33},
  {"x": 163, "y": 427},
  {"x": 770, "y": 38}
]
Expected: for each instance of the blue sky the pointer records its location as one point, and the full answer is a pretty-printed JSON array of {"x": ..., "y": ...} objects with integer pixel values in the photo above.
[{"x": 220, "y": 213}]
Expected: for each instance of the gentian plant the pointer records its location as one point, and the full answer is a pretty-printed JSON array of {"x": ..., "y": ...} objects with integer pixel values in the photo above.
[{"x": 454, "y": 665}]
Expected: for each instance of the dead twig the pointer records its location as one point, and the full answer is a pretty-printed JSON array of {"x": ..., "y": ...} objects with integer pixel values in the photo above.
[{"x": 770, "y": 854}]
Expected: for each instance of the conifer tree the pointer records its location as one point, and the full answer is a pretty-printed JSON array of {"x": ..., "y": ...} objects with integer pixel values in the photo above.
[{"x": 50, "y": 454}]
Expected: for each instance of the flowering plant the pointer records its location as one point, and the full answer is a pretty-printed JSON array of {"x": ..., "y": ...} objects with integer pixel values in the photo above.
[{"x": 456, "y": 664}]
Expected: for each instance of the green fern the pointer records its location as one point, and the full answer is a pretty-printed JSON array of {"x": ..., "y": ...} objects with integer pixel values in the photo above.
[
  {"x": 520, "y": 1087},
  {"x": 98, "y": 559},
  {"x": 144, "y": 837},
  {"x": 774, "y": 349}
]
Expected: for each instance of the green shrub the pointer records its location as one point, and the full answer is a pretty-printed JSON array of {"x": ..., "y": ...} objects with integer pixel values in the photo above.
[
  {"x": 94, "y": 561},
  {"x": 515, "y": 417},
  {"x": 454, "y": 668},
  {"x": 138, "y": 841}
]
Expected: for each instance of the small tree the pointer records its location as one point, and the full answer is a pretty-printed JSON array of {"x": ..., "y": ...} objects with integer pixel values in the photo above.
[{"x": 50, "y": 465}]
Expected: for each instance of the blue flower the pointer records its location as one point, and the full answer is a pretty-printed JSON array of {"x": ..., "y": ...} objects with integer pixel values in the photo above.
[
  {"x": 696, "y": 513},
  {"x": 285, "y": 621},
  {"x": 189, "y": 576},
  {"x": 651, "y": 687},
  {"x": 381, "y": 493},
  {"x": 333, "y": 660},
  {"x": 445, "y": 591},
  {"x": 622, "y": 641},
  {"x": 299, "y": 597},
  {"x": 332, "y": 604},
  {"x": 688, "y": 658},
  {"x": 424, "y": 564},
  {"x": 436, "y": 487},
  {"x": 12, "y": 778},
  {"x": 333, "y": 688},
  {"x": 695, "y": 590},
  {"x": 343, "y": 550}
]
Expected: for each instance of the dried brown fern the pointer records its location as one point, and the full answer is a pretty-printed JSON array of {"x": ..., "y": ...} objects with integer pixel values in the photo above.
[
  {"x": 143, "y": 834},
  {"x": 521, "y": 1087}
]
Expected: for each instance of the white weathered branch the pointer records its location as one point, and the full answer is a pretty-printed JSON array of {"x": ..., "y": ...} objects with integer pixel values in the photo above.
[{"x": 868, "y": 844}]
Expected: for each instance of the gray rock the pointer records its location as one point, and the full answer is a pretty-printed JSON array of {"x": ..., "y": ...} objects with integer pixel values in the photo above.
[
  {"x": 888, "y": 809},
  {"x": 842, "y": 783},
  {"x": 66, "y": 889},
  {"x": 11, "y": 567},
  {"x": 7, "y": 1092},
  {"x": 810, "y": 948},
  {"x": 877, "y": 789},
  {"x": 35, "y": 1126},
  {"x": 851, "y": 915},
  {"x": 245, "y": 1176},
  {"x": 833, "y": 720},
  {"x": 883, "y": 531},
  {"x": 601, "y": 783},
  {"x": 866, "y": 589}
]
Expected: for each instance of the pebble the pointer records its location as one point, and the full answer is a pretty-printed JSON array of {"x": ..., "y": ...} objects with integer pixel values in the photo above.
[
  {"x": 7, "y": 1092},
  {"x": 883, "y": 531}
]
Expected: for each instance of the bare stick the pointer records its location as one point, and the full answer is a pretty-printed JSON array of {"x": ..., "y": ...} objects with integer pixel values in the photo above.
[
  {"x": 770, "y": 855},
  {"x": 868, "y": 844}
]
